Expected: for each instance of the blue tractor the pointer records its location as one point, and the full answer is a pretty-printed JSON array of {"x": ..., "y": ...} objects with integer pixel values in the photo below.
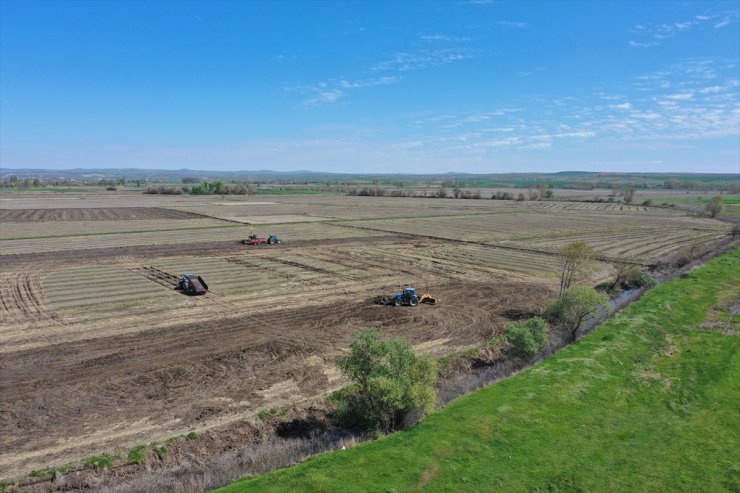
[{"x": 408, "y": 297}]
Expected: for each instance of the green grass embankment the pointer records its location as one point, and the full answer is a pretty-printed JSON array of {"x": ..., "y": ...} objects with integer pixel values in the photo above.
[{"x": 648, "y": 402}]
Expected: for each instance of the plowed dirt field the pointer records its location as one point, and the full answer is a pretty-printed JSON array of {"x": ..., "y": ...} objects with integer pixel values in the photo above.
[
  {"x": 99, "y": 353},
  {"x": 102, "y": 354}
]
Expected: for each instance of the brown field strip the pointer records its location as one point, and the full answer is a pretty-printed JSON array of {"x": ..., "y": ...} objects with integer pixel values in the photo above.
[
  {"x": 94, "y": 214},
  {"x": 61, "y": 229},
  {"x": 295, "y": 232}
]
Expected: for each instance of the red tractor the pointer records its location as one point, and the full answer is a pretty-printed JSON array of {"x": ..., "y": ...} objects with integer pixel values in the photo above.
[{"x": 255, "y": 240}]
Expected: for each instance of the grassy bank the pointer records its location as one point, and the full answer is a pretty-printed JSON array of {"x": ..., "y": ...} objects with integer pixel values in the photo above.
[{"x": 648, "y": 402}]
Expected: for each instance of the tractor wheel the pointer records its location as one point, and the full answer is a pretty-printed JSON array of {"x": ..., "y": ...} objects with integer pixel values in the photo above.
[
  {"x": 397, "y": 302},
  {"x": 413, "y": 301}
]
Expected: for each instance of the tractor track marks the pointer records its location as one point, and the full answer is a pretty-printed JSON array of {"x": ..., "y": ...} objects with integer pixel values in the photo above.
[
  {"x": 157, "y": 275},
  {"x": 22, "y": 299}
]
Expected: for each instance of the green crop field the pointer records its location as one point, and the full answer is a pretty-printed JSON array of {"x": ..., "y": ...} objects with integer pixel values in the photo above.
[{"x": 647, "y": 402}]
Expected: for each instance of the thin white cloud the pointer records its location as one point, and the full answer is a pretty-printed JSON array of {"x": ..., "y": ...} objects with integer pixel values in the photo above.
[
  {"x": 445, "y": 50},
  {"x": 421, "y": 59},
  {"x": 443, "y": 38},
  {"x": 381, "y": 81},
  {"x": 324, "y": 96},
  {"x": 681, "y": 96},
  {"x": 650, "y": 115},
  {"x": 333, "y": 91},
  {"x": 637, "y": 44},
  {"x": 513, "y": 24},
  {"x": 622, "y": 106},
  {"x": 649, "y": 35}
]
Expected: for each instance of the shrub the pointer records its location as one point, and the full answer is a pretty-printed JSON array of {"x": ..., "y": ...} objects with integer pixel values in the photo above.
[
  {"x": 390, "y": 382},
  {"x": 137, "y": 455},
  {"x": 635, "y": 277},
  {"x": 191, "y": 436},
  {"x": 264, "y": 414},
  {"x": 647, "y": 202},
  {"x": 528, "y": 337},
  {"x": 683, "y": 258},
  {"x": 162, "y": 452},
  {"x": 102, "y": 461},
  {"x": 43, "y": 473}
]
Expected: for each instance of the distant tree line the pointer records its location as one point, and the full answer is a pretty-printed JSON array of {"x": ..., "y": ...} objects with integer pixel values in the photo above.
[
  {"x": 164, "y": 190},
  {"x": 732, "y": 187},
  {"x": 220, "y": 188},
  {"x": 204, "y": 187},
  {"x": 15, "y": 182}
]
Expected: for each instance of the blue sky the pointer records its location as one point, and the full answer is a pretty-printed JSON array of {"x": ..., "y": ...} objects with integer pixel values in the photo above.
[{"x": 414, "y": 87}]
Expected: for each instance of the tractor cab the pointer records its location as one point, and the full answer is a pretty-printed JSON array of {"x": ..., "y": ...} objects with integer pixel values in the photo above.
[{"x": 408, "y": 297}]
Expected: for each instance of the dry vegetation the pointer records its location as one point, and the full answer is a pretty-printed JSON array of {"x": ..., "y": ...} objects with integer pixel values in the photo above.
[{"x": 99, "y": 352}]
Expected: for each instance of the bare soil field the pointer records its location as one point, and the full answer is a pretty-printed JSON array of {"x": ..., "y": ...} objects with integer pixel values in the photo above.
[
  {"x": 99, "y": 353},
  {"x": 96, "y": 214},
  {"x": 88, "y": 367}
]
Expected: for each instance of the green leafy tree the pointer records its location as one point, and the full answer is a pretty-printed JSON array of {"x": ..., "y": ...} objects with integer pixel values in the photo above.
[
  {"x": 575, "y": 307},
  {"x": 391, "y": 381},
  {"x": 715, "y": 205}
]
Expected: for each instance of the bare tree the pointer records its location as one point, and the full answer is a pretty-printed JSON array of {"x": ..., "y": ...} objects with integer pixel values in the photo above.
[
  {"x": 543, "y": 190},
  {"x": 621, "y": 267},
  {"x": 629, "y": 194},
  {"x": 576, "y": 258},
  {"x": 715, "y": 205}
]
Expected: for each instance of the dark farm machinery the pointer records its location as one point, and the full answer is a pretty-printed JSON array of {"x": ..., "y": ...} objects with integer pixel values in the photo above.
[
  {"x": 408, "y": 297},
  {"x": 192, "y": 284},
  {"x": 258, "y": 240}
]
